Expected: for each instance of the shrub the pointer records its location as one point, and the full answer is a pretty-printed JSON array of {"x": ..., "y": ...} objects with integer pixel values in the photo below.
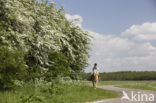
[
  {"x": 12, "y": 67},
  {"x": 60, "y": 65},
  {"x": 40, "y": 29}
]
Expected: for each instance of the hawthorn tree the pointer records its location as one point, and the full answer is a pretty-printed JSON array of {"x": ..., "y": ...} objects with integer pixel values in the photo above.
[{"x": 38, "y": 28}]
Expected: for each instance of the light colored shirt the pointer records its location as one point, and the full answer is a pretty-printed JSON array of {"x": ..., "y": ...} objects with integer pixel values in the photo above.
[{"x": 95, "y": 70}]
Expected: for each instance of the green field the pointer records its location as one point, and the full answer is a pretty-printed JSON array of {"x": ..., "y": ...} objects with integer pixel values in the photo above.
[
  {"x": 144, "y": 85},
  {"x": 60, "y": 93}
]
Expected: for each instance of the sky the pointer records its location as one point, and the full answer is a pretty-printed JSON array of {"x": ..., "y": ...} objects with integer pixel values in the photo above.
[{"x": 123, "y": 31}]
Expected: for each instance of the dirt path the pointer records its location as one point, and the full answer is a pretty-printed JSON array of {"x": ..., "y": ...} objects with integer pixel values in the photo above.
[{"x": 133, "y": 94}]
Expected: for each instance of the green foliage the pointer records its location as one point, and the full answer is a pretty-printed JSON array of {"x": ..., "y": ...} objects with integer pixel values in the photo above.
[
  {"x": 12, "y": 67},
  {"x": 41, "y": 31},
  {"x": 59, "y": 66}
]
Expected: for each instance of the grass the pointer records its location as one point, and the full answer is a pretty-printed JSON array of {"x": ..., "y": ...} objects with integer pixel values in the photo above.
[
  {"x": 80, "y": 94},
  {"x": 143, "y": 85},
  {"x": 51, "y": 93}
]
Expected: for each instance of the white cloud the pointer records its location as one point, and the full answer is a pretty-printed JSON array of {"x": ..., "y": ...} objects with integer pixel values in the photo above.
[
  {"x": 106, "y": 43},
  {"x": 143, "y": 49},
  {"x": 118, "y": 53},
  {"x": 75, "y": 19},
  {"x": 146, "y": 31},
  {"x": 113, "y": 53}
]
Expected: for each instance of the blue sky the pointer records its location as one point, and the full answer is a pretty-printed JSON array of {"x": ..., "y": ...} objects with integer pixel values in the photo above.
[
  {"x": 123, "y": 31},
  {"x": 110, "y": 16}
]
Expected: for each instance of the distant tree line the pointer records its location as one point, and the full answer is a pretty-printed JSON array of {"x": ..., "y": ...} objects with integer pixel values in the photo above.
[{"x": 123, "y": 75}]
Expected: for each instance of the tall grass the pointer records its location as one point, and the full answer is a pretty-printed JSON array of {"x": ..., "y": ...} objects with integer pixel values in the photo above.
[{"x": 55, "y": 92}]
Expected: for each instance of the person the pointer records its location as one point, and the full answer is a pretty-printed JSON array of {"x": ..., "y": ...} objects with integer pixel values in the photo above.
[{"x": 95, "y": 76}]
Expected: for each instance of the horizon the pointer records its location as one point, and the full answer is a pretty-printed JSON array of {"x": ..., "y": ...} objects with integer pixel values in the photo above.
[{"x": 121, "y": 71}]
